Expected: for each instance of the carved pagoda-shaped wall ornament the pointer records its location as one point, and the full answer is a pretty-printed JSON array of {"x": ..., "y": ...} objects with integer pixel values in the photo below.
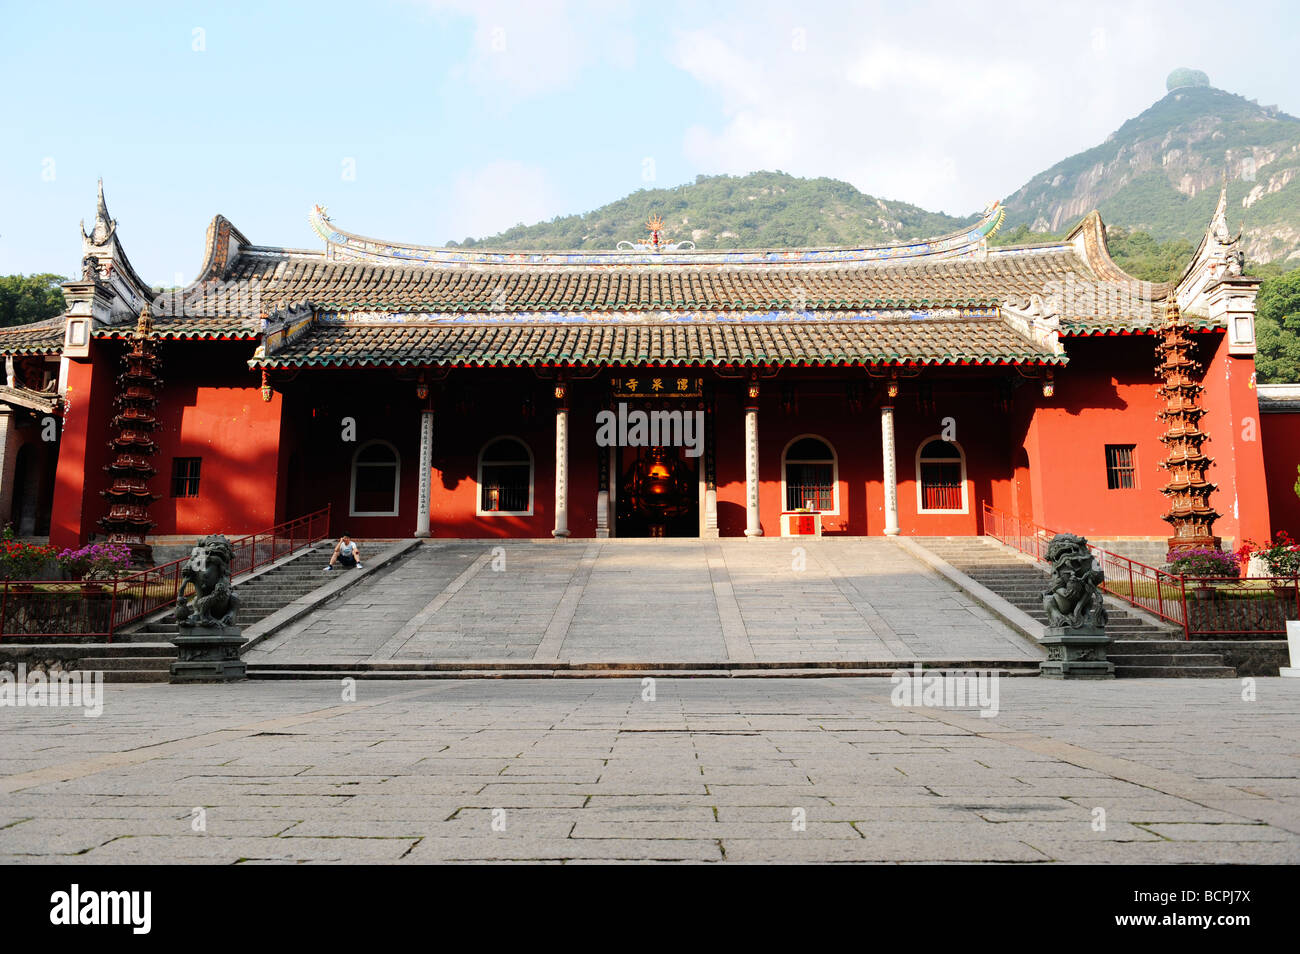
[
  {"x": 129, "y": 496},
  {"x": 1190, "y": 513}
]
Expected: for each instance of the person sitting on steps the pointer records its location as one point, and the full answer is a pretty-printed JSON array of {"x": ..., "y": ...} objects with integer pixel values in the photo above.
[{"x": 347, "y": 552}]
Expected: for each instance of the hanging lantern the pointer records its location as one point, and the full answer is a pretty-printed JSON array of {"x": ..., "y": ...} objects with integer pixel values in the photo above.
[
  {"x": 892, "y": 388},
  {"x": 266, "y": 387},
  {"x": 1049, "y": 385}
]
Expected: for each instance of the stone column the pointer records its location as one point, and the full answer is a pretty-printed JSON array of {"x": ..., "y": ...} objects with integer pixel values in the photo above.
[
  {"x": 752, "y": 526},
  {"x": 710, "y": 531},
  {"x": 602, "y": 493},
  {"x": 425, "y": 475},
  {"x": 891, "y": 469},
  {"x": 561, "y": 461},
  {"x": 10, "y": 442}
]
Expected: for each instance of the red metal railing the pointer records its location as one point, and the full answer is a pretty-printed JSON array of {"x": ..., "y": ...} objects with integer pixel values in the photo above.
[
  {"x": 1157, "y": 591},
  {"x": 1235, "y": 607},
  {"x": 56, "y": 608},
  {"x": 1203, "y": 607}
]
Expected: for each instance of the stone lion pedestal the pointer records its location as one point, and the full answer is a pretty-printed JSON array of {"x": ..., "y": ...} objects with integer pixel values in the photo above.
[
  {"x": 1072, "y": 654},
  {"x": 209, "y": 654},
  {"x": 207, "y": 639},
  {"x": 1076, "y": 640}
]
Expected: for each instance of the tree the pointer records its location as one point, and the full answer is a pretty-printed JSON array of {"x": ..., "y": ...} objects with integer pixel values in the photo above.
[
  {"x": 1277, "y": 329},
  {"x": 28, "y": 298}
]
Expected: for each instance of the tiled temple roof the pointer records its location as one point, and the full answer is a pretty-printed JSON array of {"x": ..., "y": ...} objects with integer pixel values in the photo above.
[
  {"x": 29, "y": 399},
  {"x": 951, "y": 298},
  {"x": 1075, "y": 279},
  {"x": 695, "y": 343},
  {"x": 39, "y": 337},
  {"x": 282, "y": 279},
  {"x": 171, "y": 328}
]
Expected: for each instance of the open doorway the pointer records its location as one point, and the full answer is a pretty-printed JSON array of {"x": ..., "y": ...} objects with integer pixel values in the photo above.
[{"x": 658, "y": 492}]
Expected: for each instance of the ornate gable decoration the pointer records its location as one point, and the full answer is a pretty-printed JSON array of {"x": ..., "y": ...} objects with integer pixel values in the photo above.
[
  {"x": 109, "y": 290},
  {"x": 1213, "y": 284},
  {"x": 654, "y": 226}
]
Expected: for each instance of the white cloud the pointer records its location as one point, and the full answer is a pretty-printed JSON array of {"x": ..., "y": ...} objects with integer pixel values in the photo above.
[
  {"x": 495, "y": 197},
  {"x": 960, "y": 106}
]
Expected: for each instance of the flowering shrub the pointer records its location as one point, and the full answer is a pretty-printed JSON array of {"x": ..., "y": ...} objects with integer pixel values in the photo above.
[
  {"x": 1281, "y": 556},
  {"x": 22, "y": 561},
  {"x": 1203, "y": 562},
  {"x": 97, "y": 561}
]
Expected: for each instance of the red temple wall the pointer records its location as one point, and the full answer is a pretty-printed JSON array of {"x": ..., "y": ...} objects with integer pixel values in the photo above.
[
  {"x": 856, "y": 440},
  {"x": 332, "y": 416},
  {"x": 83, "y": 447},
  {"x": 1041, "y": 458},
  {"x": 469, "y": 417},
  {"x": 1106, "y": 395},
  {"x": 1280, "y": 437},
  {"x": 213, "y": 409},
  {"x": 1233, "y": 423}
]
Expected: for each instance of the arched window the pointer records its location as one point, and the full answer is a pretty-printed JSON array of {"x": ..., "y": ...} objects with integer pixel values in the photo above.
[
  {"x": 376, "y": 471},
  {"x": 810, "y": 475},
  {"x": 505, "y": 478},
  {"x": 940, "y": 477}
]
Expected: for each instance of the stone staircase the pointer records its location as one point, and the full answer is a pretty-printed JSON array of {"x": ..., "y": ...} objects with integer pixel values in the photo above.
[
  {"x": 144, "y": 654},
  {"x": 1143, "y": 647}
]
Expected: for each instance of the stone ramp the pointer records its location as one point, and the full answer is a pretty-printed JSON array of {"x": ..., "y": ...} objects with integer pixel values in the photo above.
[
  {"x": 1143, "y": 647},
  {"x": 646, "y": 606}
]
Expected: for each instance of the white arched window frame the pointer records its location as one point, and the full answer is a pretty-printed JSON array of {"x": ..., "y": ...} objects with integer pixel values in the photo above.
[
  {"x": 833, "y": 459},
  {"x": 370, "y": 469},
  {"x": 936, "y": 461},
  {"x": 523, "y": 459}
]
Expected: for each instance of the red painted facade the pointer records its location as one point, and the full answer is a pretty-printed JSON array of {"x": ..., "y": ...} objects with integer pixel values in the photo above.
[
  {"x": 356, "y": 343},
  {"x": 1279, "y": 437},
  {"x": 1041, "y": 458}
]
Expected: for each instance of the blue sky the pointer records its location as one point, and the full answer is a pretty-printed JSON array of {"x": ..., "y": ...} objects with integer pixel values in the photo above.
[{"x": 430, "y": 120}]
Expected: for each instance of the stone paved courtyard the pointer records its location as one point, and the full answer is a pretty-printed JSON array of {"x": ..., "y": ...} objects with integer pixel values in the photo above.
[
  {"x": 710, "y": 770},
  {"x": 651, "y": 600}
]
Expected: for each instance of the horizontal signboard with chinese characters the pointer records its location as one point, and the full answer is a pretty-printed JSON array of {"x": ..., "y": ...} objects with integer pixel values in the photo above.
[{"x": 656, "y": 386}]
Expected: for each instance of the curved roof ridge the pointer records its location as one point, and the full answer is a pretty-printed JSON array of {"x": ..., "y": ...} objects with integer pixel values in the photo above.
[
  {"x": 1089, "y": 239},
  {"x": 342, "y": 245},
  {"x": 216, "y": 249}
]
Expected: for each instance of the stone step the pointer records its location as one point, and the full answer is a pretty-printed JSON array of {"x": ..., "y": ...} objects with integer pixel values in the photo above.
[
  {"x": 1022, "y": 585},
  {"x": 681, "y": 667},
  {"x": 120, "y": 649},
  {"x": 1175, "y": 672},
  {"x": 1165, "y": 645},
  {"x": 136, "y": 675},
  {"x": 1166, "y": 659},
  {"x": 261, "y": 595},
  {"x": 470, "y": 673},
  {"x": 125, "y": 663}
]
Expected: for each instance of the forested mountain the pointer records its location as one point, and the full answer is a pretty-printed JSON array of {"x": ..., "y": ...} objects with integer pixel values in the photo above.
[{"x": 760, "y": 210}]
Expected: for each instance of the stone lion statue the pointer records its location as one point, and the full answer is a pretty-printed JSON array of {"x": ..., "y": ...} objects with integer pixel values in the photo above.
[
  {"x": 1074, "y": 599},
  {"x": 207, "y": 573}
]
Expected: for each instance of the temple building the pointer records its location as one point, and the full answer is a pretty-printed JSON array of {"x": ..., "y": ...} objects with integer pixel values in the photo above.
[{"x": 651, "y": 389}]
